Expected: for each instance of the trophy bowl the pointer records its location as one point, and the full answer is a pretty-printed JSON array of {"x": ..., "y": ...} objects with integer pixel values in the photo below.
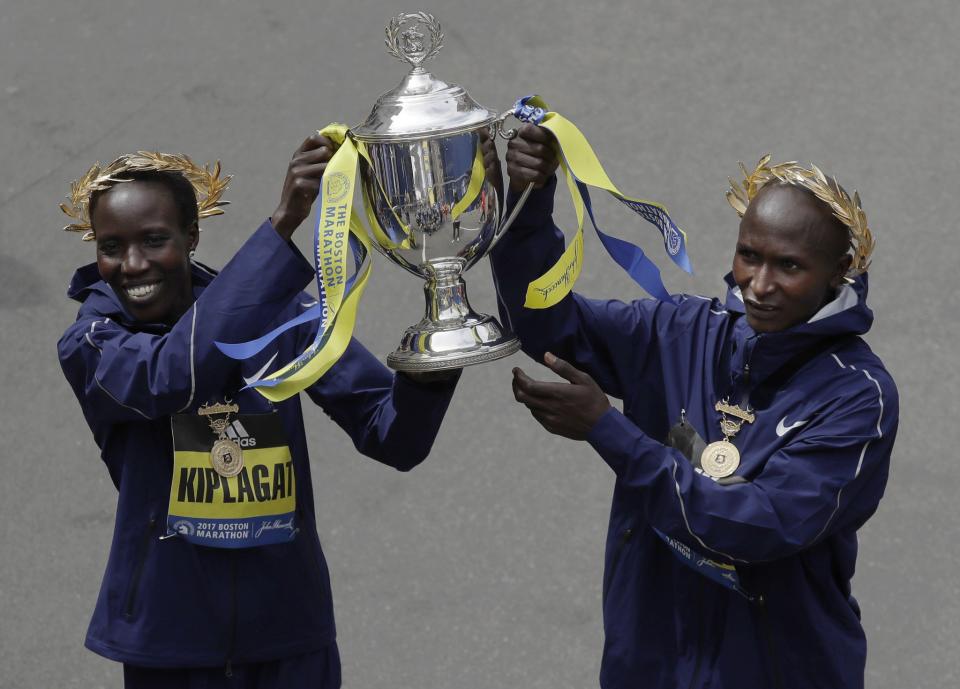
[{"x": 434, "y": 211}]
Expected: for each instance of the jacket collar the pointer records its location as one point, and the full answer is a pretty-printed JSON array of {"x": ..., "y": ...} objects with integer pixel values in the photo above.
[
  {"x": 847, "y": 314},
  {"x": 88, "y": 288}
]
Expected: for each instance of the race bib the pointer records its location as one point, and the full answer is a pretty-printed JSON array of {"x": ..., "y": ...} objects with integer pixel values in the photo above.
[{"x": 235, "y": 489}]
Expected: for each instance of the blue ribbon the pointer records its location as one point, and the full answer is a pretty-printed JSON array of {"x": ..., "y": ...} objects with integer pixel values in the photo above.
[
  {"x": 629, "y": 256},
  {"x": 528, "y": 113}
]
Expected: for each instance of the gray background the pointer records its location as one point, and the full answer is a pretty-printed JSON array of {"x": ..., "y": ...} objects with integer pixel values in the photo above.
[{"x": 482, "y": 568}]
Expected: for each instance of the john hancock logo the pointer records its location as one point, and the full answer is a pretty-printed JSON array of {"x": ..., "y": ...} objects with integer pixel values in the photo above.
[{"x": 337, "y": 187}]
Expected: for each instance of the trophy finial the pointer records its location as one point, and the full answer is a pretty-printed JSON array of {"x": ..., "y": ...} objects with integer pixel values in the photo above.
[{"x": 407, "y": 43}]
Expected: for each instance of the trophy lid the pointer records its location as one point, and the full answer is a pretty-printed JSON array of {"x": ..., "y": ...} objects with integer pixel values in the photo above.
[{"x": 421, "y": 105}]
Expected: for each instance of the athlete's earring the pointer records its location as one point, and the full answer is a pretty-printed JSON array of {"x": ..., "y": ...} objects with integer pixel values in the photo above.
[{"x": 193, "y": 249}]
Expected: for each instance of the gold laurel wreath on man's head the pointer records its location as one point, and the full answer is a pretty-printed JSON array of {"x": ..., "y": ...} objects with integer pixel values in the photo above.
[
  {"x": 207, "y": 184},
  {"x": 846, "y": 209}
]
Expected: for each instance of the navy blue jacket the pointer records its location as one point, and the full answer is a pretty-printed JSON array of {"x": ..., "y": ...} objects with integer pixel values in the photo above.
[
  {"x": 168, "y": 603},
  {"x": 814, "y": 466}
]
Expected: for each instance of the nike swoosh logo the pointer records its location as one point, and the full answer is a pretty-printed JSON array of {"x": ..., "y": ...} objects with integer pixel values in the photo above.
[
  {"x": 256, "y": 376},
  {"x": 783, "y": 428}
]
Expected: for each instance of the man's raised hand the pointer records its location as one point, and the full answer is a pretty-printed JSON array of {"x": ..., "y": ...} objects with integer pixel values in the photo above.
[
  {"x": 568, "y": 409},
  {"x": 531, "y": 157}
]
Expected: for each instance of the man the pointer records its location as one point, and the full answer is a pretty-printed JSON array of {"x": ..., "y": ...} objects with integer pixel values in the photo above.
[{"x": 754, "y": 440}]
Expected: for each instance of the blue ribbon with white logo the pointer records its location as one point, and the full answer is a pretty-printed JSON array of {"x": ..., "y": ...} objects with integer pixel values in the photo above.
[{"x": 583, "y": 168}]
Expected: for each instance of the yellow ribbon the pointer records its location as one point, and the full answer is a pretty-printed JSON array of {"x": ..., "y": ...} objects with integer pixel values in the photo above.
[
  {"x": 558, "y": 281},
  {"x": 337, "y": 220},
  {"x": 477, "y": 174}
]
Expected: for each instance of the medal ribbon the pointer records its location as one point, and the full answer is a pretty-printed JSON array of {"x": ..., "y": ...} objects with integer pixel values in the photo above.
[
  {"x": 582, "y": 168},
  {"x": 337, "y": 228}
]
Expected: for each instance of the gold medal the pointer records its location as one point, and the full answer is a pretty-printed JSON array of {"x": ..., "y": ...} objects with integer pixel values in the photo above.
[
  {"x": 226, "y": 458},
  {"x": 720, "y": 459}
]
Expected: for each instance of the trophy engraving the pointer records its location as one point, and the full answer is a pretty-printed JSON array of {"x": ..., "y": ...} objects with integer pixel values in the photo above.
[{"x": 407, "y": 44}]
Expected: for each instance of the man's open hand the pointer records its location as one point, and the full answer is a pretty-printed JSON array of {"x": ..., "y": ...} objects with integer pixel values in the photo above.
[{"x": 568, "y": 409}]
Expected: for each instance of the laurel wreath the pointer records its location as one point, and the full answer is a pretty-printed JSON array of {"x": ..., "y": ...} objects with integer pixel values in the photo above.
[
  {"x": 393, "y": 37},
  {"x": 207, "y": 184},
  {"x": 845, "y": 208}
]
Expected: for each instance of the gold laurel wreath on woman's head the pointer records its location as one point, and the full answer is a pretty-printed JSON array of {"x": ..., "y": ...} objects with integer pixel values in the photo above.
[
  {"x": 207, "y": 184},
  {"x": 846, "y": 209}
]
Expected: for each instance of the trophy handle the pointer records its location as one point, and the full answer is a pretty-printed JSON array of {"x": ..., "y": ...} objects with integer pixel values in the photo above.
[
  {"x": 496, "y": 128},
  {"x": 505, "y": 225}
]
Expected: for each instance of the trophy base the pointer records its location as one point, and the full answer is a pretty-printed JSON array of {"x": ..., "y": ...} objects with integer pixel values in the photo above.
[
  {"x": 451, "y": 334},
  {"x": 429, "y": 346}
]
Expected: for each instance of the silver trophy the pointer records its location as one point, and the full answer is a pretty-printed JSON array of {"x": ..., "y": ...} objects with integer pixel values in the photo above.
[{"x": 435, "y": 217}]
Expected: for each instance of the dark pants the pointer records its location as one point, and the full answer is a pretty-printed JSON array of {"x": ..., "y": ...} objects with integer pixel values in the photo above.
[{"x": 320, "y": 670}]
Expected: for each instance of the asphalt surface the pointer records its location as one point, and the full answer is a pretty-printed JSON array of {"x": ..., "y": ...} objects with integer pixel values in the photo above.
[{"x": 482, "y": 568}]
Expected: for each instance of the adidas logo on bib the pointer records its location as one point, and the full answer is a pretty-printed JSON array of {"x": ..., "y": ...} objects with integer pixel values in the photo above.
[{"x": 237, "y": 433}]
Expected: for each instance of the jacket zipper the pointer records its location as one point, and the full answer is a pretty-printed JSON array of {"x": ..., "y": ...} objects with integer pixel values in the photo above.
[
  {"x": 621, "y": 544},
  {"x": 741, "y": 390},
  {"x": 138, "y": 569},
  {"x": 698, "y": 649},
  {"x": 771, "y": 644}
]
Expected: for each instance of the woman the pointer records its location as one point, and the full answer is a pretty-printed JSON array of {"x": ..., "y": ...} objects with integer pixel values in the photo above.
[{"x": 215, "y": 575}]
